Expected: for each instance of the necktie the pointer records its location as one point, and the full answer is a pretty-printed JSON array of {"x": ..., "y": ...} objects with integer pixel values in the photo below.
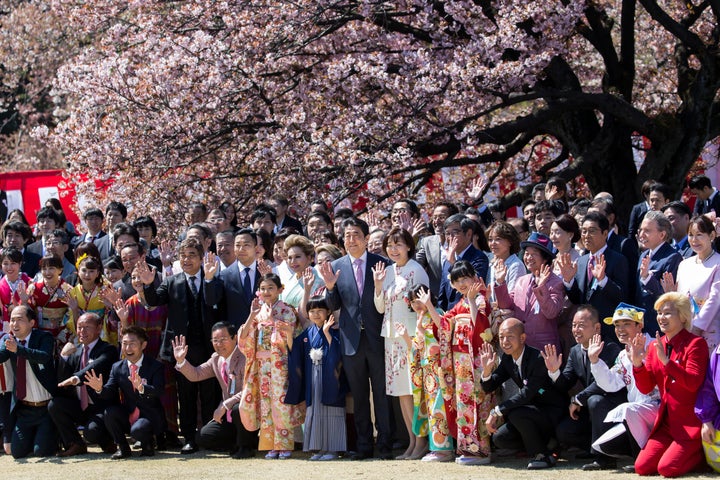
[
  {"x": 591, "y": 265},
  {"x": 20, "y": 380},
  {"x": 92, "y": 239},
  {"x": 84, "y": 402},
  {"x": 135, "y": 415},
  {"x": 516, "y": 372},
  {"x": 247, "y": 288},
  {"x": 226, "y": 379},
  {"x": 359, "y": 279},
  {"x": 193, "y": 287}
]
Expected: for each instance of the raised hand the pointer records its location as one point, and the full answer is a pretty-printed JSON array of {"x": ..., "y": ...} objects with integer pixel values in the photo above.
[
  {"x": 405, "y": 222},
  {"x": 211, "y": 264},
  {"x": 110, "y": 296},
  {"x": 488, "y": 359},
  {"x": 327, "y": 275},
  {"x": 263, "y": 267},
  {"x": 373, "y": 219},
  {"x": 379, "y": 272},
  {"x": 180, "y": 348},
  {"x": 637, "y": 349},
  {"x": 167, "y": 252},
  {"x": 71, "y": 302},
  {"x": 477, "y": 186},
  {"x": 553, "y": 360},
  {"x": 11, "y": 344},
  {"x": 22, "y": 292},
  {"x": 452, "y": 250},
  {"x": 660, "y": 350},
  {"x": 568, "y": 268},
  {"x": 598, "y": 270},
  {"x": 645, "y": 267},
  {"x": 594, "y": 348},
  {"x": 68, "y": 349},
  {"x": 668, "y": 282},
  {"x": 329, "y": 323},
  {"x": 499, "y": 270},
  {"x": 552, "y": 193},
  {"x": 255, "y": 308},
  {"x": 121, "y": 310},
  {"x": 308, "y": 278},
  {"x": 417, "y": 227},
  {"x": 94, "y": 381},
  {"x": 145, "y": 273},
  {"x": 424, "y": 296},
  {"x": 545, "y": 273}
]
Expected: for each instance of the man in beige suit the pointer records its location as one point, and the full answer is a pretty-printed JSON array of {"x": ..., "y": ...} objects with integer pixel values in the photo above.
[{"x": 225, "y": 431}]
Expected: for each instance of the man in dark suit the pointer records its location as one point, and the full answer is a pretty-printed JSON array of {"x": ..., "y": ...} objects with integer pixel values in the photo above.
[
  {"x": 640, "y": 209},
  {"x": 225, "y": 431},
  {"x": 137, "y": 381},
  {"x": 459, "y": 234},
  {"x": 350, "y": 288},
  {"x": 231, "y": 291},
  {"x": 532, "y": 413},
  {"x": 31, "y": 355},
  {"x": 191, "y": 316},
  {"x": 429, "y": 251},
  {"x": 76, "y": 404},
  {"x": 17, "y": 234},
  {"x": 616, "y": 242},
  {"x": 590, "y": 406},
  {"x": 678, "y": 214},
  {"x": 600, "y": 277},
  {"x": 708, "y": 199},
  {"x": 658, "y": 258},
  {"x": 93, "y": 218},
  {"x": 282, "y": 220}
]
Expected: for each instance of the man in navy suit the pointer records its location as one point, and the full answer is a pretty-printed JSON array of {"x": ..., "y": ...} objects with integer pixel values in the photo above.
[
  {"x": 138, "y": 381},
  {"x": 231, "y": 291},
  {"x": 658, "y": 258},
  {"x": 678, "y": 213},
  {"x": 459, "y": 234},
  {"x": 600, "y": 277},
  {"x": 31, "y": 355},
  {"x": 282, "y": 219},
  {"x": 627, "y": 246},
  {"x": 76, "y": 404},
  {"x": 191, "y": 316},
  {"x": 17, "y": 234},
  {"x": 350, "y": 288},
  {"x": 708, "y": 199}
]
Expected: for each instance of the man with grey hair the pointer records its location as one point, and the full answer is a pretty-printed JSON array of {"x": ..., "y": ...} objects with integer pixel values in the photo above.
[{"x": 658, "y": 258}]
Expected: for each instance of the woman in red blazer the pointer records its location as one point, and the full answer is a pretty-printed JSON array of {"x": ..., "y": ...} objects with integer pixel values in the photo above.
[{"x": 676, "y": 363}]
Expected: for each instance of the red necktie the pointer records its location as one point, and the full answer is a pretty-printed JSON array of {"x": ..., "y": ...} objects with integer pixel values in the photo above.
[
  {"x": 135, "y": 413},
  {"x": 84, "y": 401},
  {"x": 20, "y": 386}
]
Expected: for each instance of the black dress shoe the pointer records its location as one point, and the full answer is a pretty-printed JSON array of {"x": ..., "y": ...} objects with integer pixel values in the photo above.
[
  {"x": 628, "y": 469},
  {"x": 109, "y": 447},
  {"x": 243, "y": 452},
  {"x": 74, "y": 449},
  {"x": 172, "y": 440},
  {"x": 189, "y": 448},
  {"x": 122, "y": 453},
  {"x": 360, "y": 456},
  {"x": 147, "y": 451},
  {"x": 385, "y": 454},
  {"x": 598, "y": 465}
]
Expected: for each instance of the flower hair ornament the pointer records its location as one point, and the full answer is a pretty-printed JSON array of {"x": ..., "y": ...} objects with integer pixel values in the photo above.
[{"x": 79, "y": 260}]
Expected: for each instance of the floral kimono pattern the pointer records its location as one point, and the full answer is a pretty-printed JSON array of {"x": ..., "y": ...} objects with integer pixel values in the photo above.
[
  {"x": 266, "y": 380},
  {"x": 433, "y": 386},
  {"x": 51, "y": 309}
]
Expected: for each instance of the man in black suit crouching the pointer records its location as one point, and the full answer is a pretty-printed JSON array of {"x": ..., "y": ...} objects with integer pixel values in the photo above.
[{"x": 532, "y": 413}]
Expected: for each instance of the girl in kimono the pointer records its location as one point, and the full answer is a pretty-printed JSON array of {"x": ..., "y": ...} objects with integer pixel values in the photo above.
[
  {"x": 316, "y": 377},
  {"x": 47, "y": 297},
  {"x": 13, "y": 284},
  {"x": 266, "y": 339},
  {"x": 86, "y": 297},
  {"x": 468, "y": 327},
  {"x": 433, "y": 382}
]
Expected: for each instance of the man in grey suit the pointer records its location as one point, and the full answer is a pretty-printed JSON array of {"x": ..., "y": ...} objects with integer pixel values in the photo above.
[
  {"x": 350, "y": 288},
  {"x": 93, "y": 218},
  {"x": 429, "y": 249}
]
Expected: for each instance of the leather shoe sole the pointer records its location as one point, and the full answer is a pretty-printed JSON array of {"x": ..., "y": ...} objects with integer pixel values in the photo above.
[
  {"x": 74, "y": 449},
  {"x": 189, "y": 448}
]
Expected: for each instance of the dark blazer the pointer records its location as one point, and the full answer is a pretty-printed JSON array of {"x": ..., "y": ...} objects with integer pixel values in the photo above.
[
  {"x": 31, "y": 263},
  {"x": 39, "y": 353},
  {"x": 627, "y": 246},
  {"x": 225, "y": 292},
  {"x": 174, "y": 292},
  {"x": 607, "y": 298},
  {"x": 149, "y": 402},
  {"x": 636, "y": 217},
  {"x": 291, "y": 222},
  {"x": 448, "y": 296},
  {"x": 101, "y": 359},
  {"x": 666, "y": 259},
  {"x": 575, "y": 371},
  {"x": 683, "y": 248},
  {"x": 428, "y": 254},
  {"x": 102, "y": 242},
  {"x": 535, "y": 388},
  {"x": 705, "y": 206},
  {"x": 355, "y": 311}
]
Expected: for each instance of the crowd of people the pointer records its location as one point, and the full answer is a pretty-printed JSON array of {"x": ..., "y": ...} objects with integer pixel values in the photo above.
[{"x": 567, "y": 332}]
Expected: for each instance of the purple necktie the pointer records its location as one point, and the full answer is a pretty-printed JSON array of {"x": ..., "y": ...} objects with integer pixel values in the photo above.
[{"x": 359, "y": 279}]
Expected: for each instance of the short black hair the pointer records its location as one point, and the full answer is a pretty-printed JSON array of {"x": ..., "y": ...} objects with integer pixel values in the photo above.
[
  {"x": 462, "y": 269},
  {"x": 699, "y": 182},
  {"x": 19, "y": 227},
  {"x": 321, "y": 215},
  {"x": 678, "y": 206},
  {"x": 12, "y": 254},
  {"x": 51, "y": 213},
  {"x": 231, "y": 329},
  {"x": 261, "y": 211},
  {"x": 139, "y": 332},
  {"x": 93, "y": 212},
  {"x": 317, "y": 301},
  {"x": 117, "y": 206},
  {"x": 61, "y": 235},
  {"x": 598, "y": 218},
  {"x": 247, "y": 231},
  {"x": 356, "y": 222},
  {"x": 662, "y": 188},
  {"x": 146, "y": 221},
  {"x": 125, "y": 229},
  {"x": 207, "y": 233}
]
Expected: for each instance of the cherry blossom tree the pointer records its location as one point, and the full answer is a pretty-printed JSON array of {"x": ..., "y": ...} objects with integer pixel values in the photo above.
[{"x": 188, "y": 100}]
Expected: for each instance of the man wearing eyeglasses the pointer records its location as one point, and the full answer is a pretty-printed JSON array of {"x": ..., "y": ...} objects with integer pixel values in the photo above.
[
  {"x": 601, "y": 277},
  {"x": 225, "y": 431}
]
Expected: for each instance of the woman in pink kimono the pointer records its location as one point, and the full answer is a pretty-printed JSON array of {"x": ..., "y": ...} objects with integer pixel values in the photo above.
[{"x": 265, "y": 340}]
